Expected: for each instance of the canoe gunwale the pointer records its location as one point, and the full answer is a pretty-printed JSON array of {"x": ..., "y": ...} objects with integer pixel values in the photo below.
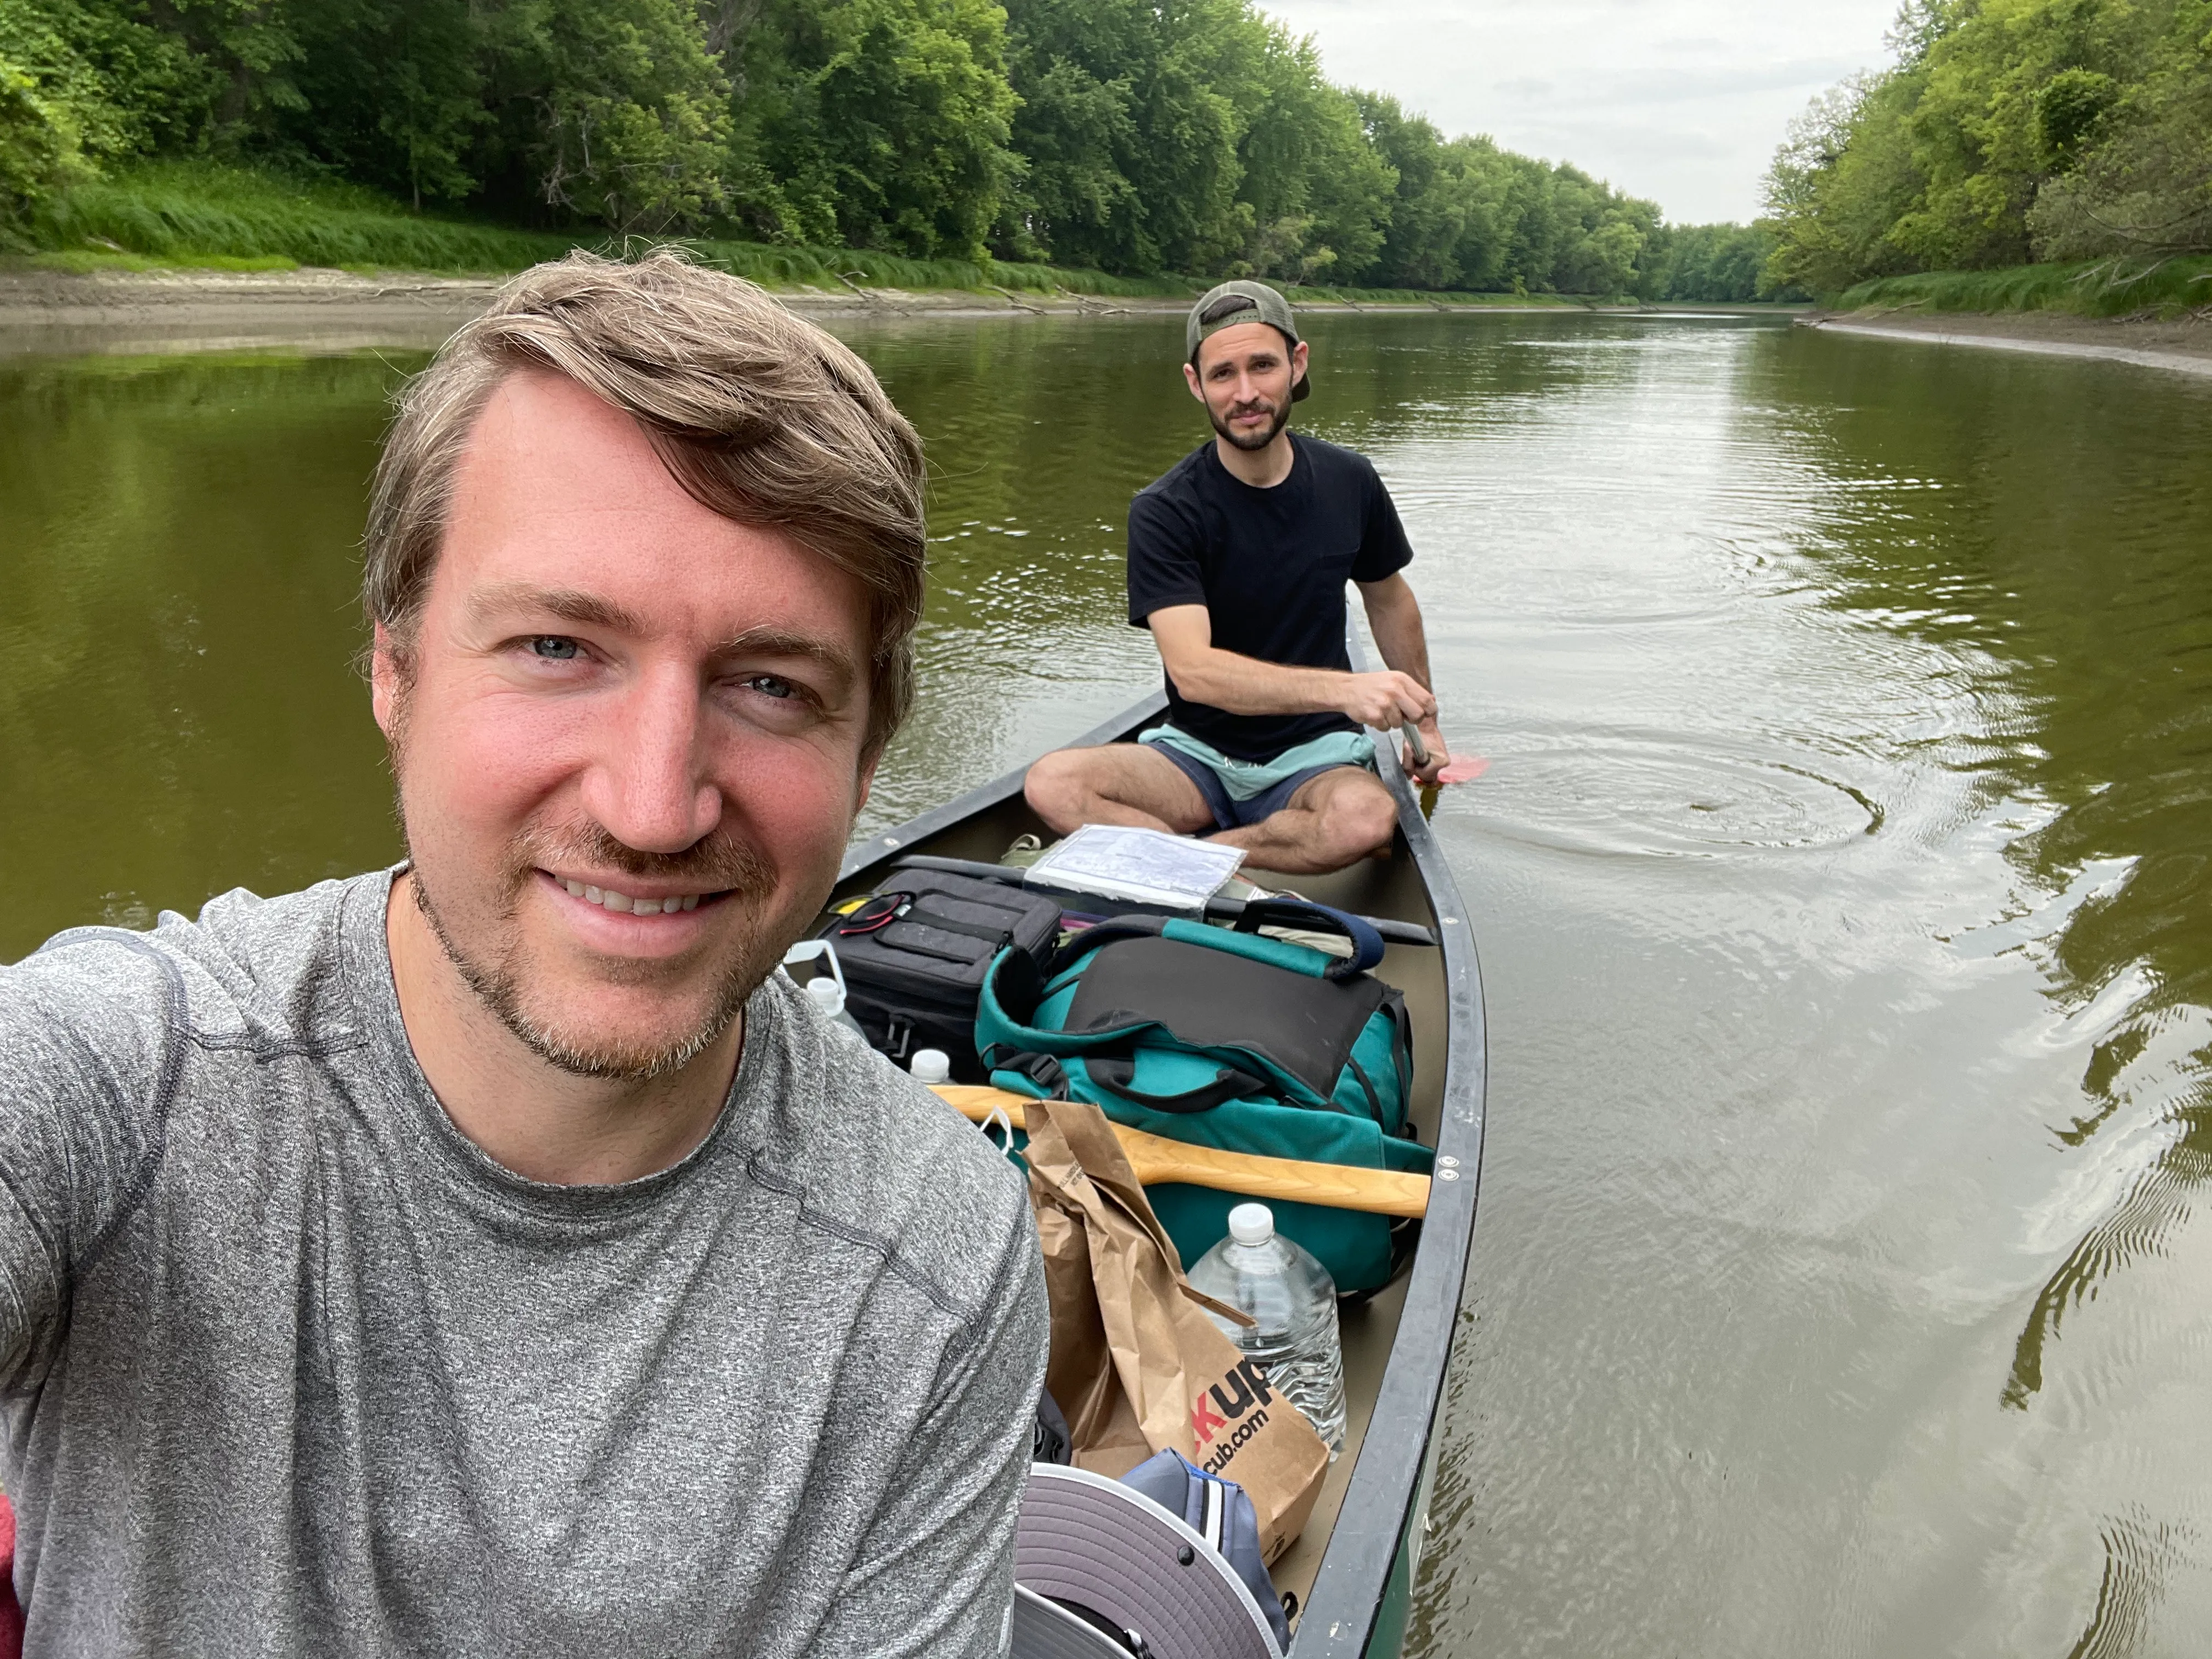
[{"x": 1340, "y": 1614}]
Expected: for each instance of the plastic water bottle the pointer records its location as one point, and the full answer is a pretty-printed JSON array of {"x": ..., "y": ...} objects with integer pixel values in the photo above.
[
  {"x": 1256, "y": 1271},
  {"x": 930, "y": 1065}
]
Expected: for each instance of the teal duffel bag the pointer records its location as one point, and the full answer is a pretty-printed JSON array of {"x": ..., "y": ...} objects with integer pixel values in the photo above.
[{"x": 1227, "y": 1039}]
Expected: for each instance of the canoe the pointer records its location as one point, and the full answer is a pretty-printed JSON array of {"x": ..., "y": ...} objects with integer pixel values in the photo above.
[{"x": 1353, "y": 1568}]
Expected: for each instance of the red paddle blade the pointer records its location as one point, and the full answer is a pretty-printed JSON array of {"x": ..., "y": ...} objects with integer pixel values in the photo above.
[{"x": 1463, "y": 769}]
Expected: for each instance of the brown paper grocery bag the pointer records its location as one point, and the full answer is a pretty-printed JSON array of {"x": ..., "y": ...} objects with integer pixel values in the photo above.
[{"x": 1136, "y": 1366}]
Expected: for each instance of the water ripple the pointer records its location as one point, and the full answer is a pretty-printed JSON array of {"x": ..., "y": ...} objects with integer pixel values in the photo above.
[{"x": 1672, "y": 799}]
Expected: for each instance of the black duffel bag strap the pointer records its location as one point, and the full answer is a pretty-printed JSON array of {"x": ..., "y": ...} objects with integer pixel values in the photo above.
[
  {"x": 1099, "y": 934},
  {"x": 1119, "y": 1072},
  {"x": 1367, "y": 946},
  {"x": 1040, "y": 1069}
]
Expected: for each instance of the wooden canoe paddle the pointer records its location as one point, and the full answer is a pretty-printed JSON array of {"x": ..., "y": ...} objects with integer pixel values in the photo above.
[{"x": 1157, "y": 1160}]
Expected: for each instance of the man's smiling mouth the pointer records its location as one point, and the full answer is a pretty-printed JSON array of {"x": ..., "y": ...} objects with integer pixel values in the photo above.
[{"x": 633, "y": 904}]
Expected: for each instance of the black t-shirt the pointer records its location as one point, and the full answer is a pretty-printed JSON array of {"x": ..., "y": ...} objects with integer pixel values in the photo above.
[{"x": 1269, "y": 566}]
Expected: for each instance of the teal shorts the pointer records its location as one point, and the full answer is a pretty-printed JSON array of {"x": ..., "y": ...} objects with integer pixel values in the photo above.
[{"x": 1266, "y": 795}]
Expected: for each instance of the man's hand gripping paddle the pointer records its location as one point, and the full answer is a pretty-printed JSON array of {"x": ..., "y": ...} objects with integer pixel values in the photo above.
[{"x": 1460, "y": 768}]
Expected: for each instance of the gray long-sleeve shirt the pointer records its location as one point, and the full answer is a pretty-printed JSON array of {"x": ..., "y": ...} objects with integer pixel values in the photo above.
[{"x": 291, "y": 1366}]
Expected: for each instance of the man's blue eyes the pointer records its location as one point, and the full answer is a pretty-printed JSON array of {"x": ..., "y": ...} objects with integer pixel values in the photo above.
[{"x": 556, "y": 648}]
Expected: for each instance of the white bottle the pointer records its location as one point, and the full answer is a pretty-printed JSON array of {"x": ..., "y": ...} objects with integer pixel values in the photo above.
[
  {"x": 1258, "y": 1272},
  {"x": 826, "y": 989},
  {"x": 830, "y": 997},
  {"x": 930, "y": 1065}
]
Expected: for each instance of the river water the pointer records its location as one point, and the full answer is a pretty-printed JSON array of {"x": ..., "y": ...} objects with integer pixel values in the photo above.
[{"x": 1843, "y": 1285}]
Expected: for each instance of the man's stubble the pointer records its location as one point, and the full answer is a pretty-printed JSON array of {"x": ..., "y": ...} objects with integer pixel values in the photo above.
[{"x": 1282, "y": 412}]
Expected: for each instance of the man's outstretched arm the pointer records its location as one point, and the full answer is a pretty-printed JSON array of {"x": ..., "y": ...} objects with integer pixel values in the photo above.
[
  {"x": 88, "y": 1029},
  {"x": 1394, "y": 615},
  {"x": 1245, "y": 685}
]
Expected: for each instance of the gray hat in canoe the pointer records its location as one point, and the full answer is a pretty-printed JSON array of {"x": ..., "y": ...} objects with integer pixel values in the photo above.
[
  {"x": 1227, "y": 304},
  {"x": 1091, "y": 1555}
]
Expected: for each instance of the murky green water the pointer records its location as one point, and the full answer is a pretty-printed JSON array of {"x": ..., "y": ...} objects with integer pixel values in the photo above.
[{"x": 1842, "y": 1286}]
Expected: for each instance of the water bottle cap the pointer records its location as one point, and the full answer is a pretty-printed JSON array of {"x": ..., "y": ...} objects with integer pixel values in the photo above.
[
  {"x": 1251, "y": 1224},
  {"x": 931, "y": 1065},
  {"x": 829, "y": 995}
]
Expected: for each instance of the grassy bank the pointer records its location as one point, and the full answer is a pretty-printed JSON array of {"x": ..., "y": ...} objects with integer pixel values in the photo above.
[
  {"x": 2102, "y": 288},
  {"x": 197, "y": 216},
  {"x": 194, "y": 215}
]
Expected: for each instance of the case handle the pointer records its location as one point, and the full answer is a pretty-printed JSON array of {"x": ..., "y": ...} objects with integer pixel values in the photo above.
[{"x": 1367, "y": 946}]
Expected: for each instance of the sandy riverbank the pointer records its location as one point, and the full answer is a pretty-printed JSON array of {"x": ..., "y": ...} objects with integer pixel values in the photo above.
[
  {"x": 125, "y": 312},
  {"x": 120, "y": 312},
  {"x": 2184, "y": 346}
]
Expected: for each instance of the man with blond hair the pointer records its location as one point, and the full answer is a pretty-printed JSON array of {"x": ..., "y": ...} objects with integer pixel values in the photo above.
[{"x": 492, "y": 1254}]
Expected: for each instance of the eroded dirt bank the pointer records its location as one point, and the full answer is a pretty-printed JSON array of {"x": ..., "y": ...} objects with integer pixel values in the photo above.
[
  {"x": 2184, "y": 345},
  {"x": 126, "y": 312},
  {"x": 182, "y": 309}
]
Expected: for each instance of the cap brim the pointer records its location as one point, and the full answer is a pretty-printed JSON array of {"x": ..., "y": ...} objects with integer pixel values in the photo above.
[{"x": 1095, "y": 1542}]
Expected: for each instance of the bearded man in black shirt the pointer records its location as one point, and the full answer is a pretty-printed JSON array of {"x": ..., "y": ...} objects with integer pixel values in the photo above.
[{"x": 1237, "y": 561}]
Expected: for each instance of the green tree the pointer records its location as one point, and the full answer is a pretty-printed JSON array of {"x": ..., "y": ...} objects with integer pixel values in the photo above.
[
  {"x": 1725, "y": 262},
  {"x": 121, "y": 85},
  {"x": 1188, "y": 135},
  {"x": 2005, "y": 129},
  {"x": 393, "y": 92},
  {"x": 2069, "y": 107},
  {"x": 607, "y": 110},
  {"x": 1841, "y": 181},
  {"x": 39, "y": 148},
  {"x": 1136, "y": 135},
  {"x": 247, "y": 49},
  {"x": 1317, "y": 192},
  {"x": 2140, "y": 182},
  {"x": 876, "y": 123},
  {"x": 1429, "y": 205}
]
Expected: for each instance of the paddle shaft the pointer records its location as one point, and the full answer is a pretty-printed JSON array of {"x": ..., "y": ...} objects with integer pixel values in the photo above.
[
  {"x": 1157, "y": 1160},
  {"x": 1421, "y": 752}
]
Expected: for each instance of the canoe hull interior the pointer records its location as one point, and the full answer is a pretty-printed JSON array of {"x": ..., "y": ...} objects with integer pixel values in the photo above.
[{"x": 1354, "y": 1569}]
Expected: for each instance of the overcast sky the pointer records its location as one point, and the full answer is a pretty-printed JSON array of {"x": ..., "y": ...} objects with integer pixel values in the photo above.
[{"x": 1679, "y": 100}]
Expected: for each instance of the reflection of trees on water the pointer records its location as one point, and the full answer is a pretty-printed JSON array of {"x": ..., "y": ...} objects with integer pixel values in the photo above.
[
  {"x": 2075, "y": 553},
  {"x": 2158, "y": 1199},
  {"x": 178, "y": 714},
  {"x": 2158, "y": 923},
  {"x": 2138, "y": 1556}
]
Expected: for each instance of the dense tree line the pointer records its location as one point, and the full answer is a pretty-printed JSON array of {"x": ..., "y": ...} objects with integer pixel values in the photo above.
[
  {"x": 2005, "y": 130},
  {"x": 1132, "y": 136}
]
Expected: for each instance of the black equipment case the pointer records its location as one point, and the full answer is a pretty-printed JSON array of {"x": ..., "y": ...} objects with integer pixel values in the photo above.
[{"x": 916, "y": 955}]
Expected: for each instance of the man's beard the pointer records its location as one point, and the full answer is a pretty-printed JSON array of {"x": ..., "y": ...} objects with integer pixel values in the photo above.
[
  {"x": 731, "y": 868},
  {"x": 1282, "y": 412}
]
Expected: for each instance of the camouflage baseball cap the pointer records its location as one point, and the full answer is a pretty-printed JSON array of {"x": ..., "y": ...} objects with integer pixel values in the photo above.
[{"x": 1230, "y": 303}]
